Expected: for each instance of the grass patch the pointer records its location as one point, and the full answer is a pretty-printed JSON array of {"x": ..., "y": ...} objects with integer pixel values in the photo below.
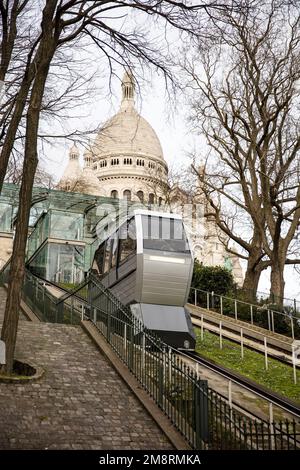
[{"x": 278, "y": 377}]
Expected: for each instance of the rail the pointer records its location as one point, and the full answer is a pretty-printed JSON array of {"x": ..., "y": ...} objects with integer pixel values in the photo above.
[
  {"x": 259, "y": 315},
  {"x": 271, "y": 398}
]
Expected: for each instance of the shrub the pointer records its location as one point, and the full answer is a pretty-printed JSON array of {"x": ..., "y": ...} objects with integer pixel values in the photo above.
[{"x": 212, "y": 279}]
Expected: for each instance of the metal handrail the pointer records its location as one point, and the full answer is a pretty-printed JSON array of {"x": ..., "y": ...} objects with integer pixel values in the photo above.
[
  {"x": 211, "y": 296},
  {"x": 257, "y": 306}
]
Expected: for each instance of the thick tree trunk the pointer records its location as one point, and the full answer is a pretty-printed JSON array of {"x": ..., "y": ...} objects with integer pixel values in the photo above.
[
  {"x": 11, "y": 317},
  {"x": 277, "y": 282},
  {"x": 254, "y": 268},
  {"x": 250, "y": 284},
  {"x": 17, "y": 268}
]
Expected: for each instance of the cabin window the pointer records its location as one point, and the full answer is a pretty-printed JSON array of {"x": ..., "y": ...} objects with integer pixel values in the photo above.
[
  {"x": 127, "y": 240},
  {"x": 161, "y": 233}
]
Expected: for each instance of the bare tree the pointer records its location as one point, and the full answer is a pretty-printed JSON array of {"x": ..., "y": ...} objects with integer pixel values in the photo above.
[
  {"x": 75, "y": 23},
  {"x": 248, "y": 112}
]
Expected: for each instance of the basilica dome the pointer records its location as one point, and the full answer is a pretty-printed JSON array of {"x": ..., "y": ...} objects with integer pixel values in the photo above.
[
  {"x": 125, "y": 161},
  {"x": 126, "y": 154},
  {"x": 127, "y": 132}
]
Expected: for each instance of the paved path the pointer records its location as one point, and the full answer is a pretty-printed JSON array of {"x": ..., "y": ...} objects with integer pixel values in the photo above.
[{"x": 80, "y": 403}]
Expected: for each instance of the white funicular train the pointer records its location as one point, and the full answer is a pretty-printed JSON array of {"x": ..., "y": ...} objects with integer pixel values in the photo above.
[{"x": 147, "y": 264}]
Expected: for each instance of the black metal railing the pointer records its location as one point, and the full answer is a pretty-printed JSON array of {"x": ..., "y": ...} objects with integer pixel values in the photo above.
[{"x": 202, "y": 415}]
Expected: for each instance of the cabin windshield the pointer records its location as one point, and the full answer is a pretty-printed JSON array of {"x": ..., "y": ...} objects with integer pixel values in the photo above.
[{"x": 164, "y": 234}]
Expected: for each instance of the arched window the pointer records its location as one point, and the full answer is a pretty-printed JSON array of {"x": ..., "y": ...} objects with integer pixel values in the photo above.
[
  {"x": 127, "y": 194},
  {"x": 160, "y": 200},
  {"x": 114, "y": 194},
  {"x": 151, "y": 198},
  {"x": 140, "y": 195}
]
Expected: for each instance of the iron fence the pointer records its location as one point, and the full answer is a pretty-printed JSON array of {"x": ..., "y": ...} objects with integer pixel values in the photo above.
[
  {"x": 202, "y": 415},
  {"x": 260, "y": 297},
  {"x": 205, "y": 418},
  {"x": 259, "y": 315},
  {"x": 47, "y": 306}
]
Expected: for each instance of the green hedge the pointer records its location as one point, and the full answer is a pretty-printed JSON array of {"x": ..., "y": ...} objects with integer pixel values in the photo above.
[{"x": 212, "y": 279}]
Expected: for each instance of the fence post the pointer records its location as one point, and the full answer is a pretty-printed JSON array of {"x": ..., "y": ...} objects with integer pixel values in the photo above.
[
  {"x": 201, "y": 326},
  {"x": 82, "y": 312},
  {"x": 108, "y": 327},
  {"x": 72, "y": 309},
  {"x": 207, "y": 300},
  {"x": 220, "y": 331},
  {"x": 271, "y": 421},
  {"x": 143, "y": 351},
  {"x": 230, "y": 399},
  {"x": 212, "y": 299},
  {"x": 294, "y": 364},
  {"x": 125, "y": 339},
  {"x": 160, "y": 384},
  {"x": 221, "y": 305},
  {"x": 251, "y": 314},
  {"x": 170, "y": 366},
  {"x": 272, "y": 319},
  {"x": 292, "y": 328},
  {"x": 266, "y": 352},
  {"x": 195, "y": 297},
  {"x": 201, "y": 413},
  {"x": 235, "y": 309},
  {"x": 242, "y": 344},
  {"x": 95, "y": 315}
]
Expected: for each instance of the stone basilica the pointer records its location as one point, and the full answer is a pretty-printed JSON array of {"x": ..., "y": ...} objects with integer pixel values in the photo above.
[{"x": 126, "y": 161}]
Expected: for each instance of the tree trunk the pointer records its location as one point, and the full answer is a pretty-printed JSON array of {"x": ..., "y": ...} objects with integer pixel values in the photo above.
[
  {"x": 250, "y": 284},
  {"x": 17, "y": 267},
  {"x": 11, "y": 317},
  {"x": 277, "y": 282},
  {"x": 254, "y": 267}
]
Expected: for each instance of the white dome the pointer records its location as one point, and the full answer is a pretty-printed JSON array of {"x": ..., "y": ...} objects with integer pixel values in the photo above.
[{"x": 127, "y": 133}]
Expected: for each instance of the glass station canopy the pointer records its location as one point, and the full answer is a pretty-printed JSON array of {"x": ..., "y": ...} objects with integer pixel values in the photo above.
[{"x": 62, "y": 230}]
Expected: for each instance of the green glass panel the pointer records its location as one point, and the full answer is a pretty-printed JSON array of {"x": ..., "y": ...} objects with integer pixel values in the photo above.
[
  {"x": 6, "y": 214},
  {"x": 66, "y": 225}
]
